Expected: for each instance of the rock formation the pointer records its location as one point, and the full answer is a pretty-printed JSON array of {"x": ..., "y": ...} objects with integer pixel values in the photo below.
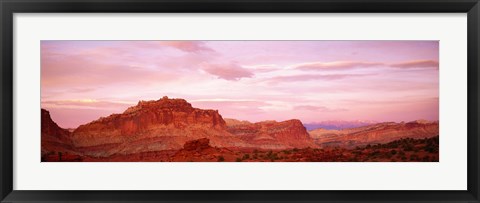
[
  {"x": 163, "y": 124},
  {"x": 272, "y": 134},
  {"x": 375, "y": 134},
  {"x": 197, "y": 145},
  {"x": 54, "y": 140}
]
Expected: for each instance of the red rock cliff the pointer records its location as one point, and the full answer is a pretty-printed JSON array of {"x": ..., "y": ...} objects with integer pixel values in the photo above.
[
  {"x": 53, "y": 138},
  {"x": 272, "y": 134},
  {"x": 152, "y": 125},
  {"x": 374, "y": 134}
]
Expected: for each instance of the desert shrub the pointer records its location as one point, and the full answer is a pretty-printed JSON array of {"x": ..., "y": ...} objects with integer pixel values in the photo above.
[
  {"x": 353, "y": 159},
  {"x": 393, "y": 152},
  {"x": 272, "y": 156},
  {"x": 389, "y": 155},
  {"x": 426, "y": 158},
  {"x": 246, "y": 156},
  {"x": 375, "y": 153},
  {"x": 59, "y": 156},
  {"x": 431, "y": 146},
  {"x": 220, "y": 159},
  {"x": 408, "y": 147},
  {"x": 393, "y": 145},
  {"x": 286, "y": 152},
  {"x": 429, "y": 149},
  {"x": 238, "y": 160}
]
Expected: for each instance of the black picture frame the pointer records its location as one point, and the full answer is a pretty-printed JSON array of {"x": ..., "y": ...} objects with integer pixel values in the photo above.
[{"x": 10, "y": 7}]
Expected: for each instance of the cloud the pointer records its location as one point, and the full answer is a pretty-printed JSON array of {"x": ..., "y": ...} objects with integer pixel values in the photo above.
[
  {"x": 86, "y": 72},
  {"x": 382, "y": 101},
  {"x": 306, "y": 77},
  {"x": 86, "y": 104},
  {"x": 185, "y": 46},
  {"x": 188, "y": 46},
  {"x": 347, "y": 65},
  {"x": 229, "y": 102},
  {"x": 316, "y": 108},
  {"x": 230, "y": 71},
  {"x": 263, "y": 68},
  {"x": 231, "y": 108},
  {"x": 81, "y": 90},
  {"x": 416, "y": 64},
  {"x": 336, "y": 65}
]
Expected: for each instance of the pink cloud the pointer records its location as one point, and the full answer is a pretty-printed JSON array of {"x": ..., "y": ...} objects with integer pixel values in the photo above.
[
  {"x": 316, "y": 108},
  {"x": 229, "y": 71},
  {"x": 86, "y": 104},
  {"x": 263, "y": 68},
  {"x": 93, "y": 70},
  {"x": 238, "y": 109},
  {"x": 187, "y": 46},
  {"x": 231, "y": 102},
  {"x": 347, "y": 65},
  {"x": 336, "y": 65},
  {"x": 416, "y": 64},
  {"x": 377, "y": 102},
  {"x": 306, "y": 77}
]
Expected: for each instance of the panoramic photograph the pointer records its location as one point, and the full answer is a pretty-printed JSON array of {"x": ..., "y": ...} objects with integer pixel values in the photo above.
[{"x": 239, "y": 101}]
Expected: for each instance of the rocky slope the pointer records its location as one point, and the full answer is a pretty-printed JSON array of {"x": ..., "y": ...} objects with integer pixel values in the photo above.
[
  {"x": 272, "y": 134},
  {"x": 375, "y": 134},
  {"x": 53, "y": 138}
]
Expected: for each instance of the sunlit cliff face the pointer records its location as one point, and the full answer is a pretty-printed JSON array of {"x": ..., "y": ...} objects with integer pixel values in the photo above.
[{"x": 247, "y": 80}]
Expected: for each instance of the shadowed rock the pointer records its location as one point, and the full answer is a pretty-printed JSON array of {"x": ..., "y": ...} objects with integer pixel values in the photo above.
[{"x": 197, "y": 145}]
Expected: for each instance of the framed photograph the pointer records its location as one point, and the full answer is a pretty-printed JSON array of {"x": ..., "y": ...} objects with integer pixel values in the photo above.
[{"x": 221, "y": 101}]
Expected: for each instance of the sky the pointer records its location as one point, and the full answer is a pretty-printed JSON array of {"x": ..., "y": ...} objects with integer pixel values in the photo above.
[{"x": 313, "y": 81}]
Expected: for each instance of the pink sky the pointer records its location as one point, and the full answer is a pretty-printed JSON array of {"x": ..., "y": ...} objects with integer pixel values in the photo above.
[{"x": 248, "y": 80}]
